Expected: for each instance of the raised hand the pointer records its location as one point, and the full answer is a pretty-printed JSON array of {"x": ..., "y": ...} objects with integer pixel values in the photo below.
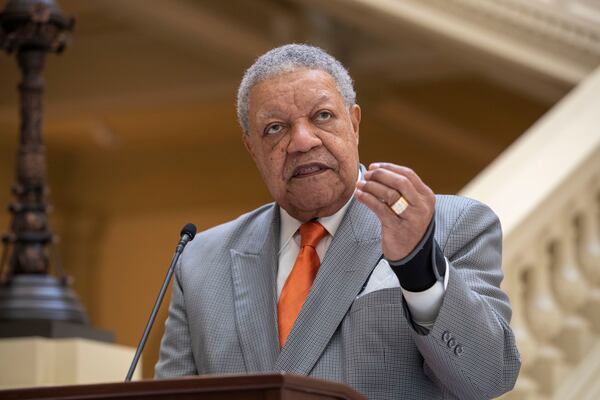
[{"x": 383, "y": 186}]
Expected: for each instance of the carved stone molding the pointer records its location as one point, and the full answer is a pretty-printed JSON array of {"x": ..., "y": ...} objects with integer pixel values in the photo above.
[
  {"x": 549, "y": 24},
  {"x": 558, "y": 39}
]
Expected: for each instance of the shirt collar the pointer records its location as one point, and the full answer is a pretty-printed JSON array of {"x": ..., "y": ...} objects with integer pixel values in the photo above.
[{"x": 289, "y": 225}]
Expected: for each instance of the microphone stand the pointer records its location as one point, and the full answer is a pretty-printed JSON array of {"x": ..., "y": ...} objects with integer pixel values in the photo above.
[{"x": 185, "y": 238}]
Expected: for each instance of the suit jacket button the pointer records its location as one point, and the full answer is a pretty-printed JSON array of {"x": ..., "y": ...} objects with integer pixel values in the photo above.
[
  {"x": 451, "y": 343},
  {"x": 458, "y": 350},
  {"x": 446, "y": 336}
]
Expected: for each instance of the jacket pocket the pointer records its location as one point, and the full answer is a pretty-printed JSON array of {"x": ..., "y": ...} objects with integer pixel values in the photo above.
[{"x": 379, "y": 351}]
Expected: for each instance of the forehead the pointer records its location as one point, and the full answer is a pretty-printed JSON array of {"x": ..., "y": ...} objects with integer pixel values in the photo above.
[{"x": 297, "y": 88}]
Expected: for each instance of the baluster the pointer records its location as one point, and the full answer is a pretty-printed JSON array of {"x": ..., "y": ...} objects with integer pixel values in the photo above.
[
  {"x": 525, "y": 387},
  {"x": 545, "y": 321},
  {"x": 591, "y": 310},
  {"x": 571, "y": 290},
  {"x": 515, "y": 287},
  {"x": 588, "y": 239}
]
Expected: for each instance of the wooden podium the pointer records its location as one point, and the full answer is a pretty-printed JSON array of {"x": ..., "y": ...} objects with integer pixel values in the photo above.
[{"x": 241, "y": 387}]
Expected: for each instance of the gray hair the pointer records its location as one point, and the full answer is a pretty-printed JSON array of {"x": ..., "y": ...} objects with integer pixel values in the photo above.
[{"x": 289, "y": 58}]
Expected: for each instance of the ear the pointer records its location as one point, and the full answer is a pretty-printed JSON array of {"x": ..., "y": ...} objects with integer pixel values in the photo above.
[
  {"x": 248, "y": 145},
  {"x": 355, "y": 115}
]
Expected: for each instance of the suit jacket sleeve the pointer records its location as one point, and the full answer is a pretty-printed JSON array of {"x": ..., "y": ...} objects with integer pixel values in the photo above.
[
  {"x": 176, "y": 358},
  {"x": 471, "y": 350}
]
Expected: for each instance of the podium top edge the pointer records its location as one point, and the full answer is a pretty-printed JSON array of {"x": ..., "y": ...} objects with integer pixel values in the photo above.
[{"x": 282, "y": 381}]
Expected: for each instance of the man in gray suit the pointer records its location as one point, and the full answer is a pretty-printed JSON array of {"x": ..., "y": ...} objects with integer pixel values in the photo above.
[{"x": 356, "y": 275}]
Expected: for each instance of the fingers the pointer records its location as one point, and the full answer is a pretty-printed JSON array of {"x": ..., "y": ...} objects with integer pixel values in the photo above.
[
  {"x": 382, "y": 210},
  {"x": 382, "y": 186},
  {"x": 389, "y": 186},
  {"x": 403, "y": 171},
  {"x": 381, "y": 189},
  {"x": 384, "y": 193}
]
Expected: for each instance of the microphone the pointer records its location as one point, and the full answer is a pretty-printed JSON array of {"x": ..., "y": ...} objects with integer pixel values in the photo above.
[{"x": 187, "y": 233}]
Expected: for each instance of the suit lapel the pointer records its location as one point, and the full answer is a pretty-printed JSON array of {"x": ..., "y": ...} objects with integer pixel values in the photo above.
[
  {"x": 254, "y": 265},
  {"x": 352, "y": 255}
]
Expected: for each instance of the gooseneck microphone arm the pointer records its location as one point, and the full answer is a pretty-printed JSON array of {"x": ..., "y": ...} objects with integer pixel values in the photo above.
[{"x": 187, "y": 233}]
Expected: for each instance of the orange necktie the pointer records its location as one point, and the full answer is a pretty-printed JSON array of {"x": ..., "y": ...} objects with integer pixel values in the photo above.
[{"x": 297, "y": 286}]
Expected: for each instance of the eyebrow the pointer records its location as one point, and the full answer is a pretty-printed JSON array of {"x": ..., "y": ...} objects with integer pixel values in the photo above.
[
  {"x": 268, "y": 115},
  {"x": 275, "y": 113}
]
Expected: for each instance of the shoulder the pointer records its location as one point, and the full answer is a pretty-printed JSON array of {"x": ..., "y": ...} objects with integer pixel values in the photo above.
[
  {"x": 453, "y": 206},
  {"x": 449, "y": 208},
  {"x": 228, "y": 235},
  {"x": 240, "y": 225},
  {"x": 463, "y": 217}
]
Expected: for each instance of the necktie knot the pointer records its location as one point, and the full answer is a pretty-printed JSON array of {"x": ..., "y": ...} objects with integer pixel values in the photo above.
[{"x": 311, "y": 234}]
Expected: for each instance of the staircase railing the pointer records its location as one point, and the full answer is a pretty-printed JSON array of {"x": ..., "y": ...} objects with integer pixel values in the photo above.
[{"x": 546, "y": 190}]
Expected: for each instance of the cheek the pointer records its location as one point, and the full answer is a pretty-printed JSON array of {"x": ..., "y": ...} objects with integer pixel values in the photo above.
[
  {"x": 278, "y": 153},
  {"x": 344, "y": 149},
  {"x": 274, "y": 162}
]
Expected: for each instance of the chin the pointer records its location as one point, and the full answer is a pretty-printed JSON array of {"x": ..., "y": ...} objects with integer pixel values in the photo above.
[{"x": 317, "y": 201}]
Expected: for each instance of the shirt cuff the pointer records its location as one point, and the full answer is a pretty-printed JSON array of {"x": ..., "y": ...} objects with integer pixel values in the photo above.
[
  {"x": 425, "y": 305},
  {"x": 424, "y": 266}
]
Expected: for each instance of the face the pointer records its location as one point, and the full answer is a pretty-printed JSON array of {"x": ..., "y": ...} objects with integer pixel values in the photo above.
[{"x": 304, "y": 141}]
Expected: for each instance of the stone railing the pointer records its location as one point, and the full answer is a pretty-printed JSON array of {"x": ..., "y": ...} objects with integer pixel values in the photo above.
[
  {"x": 546, "y": 191},
  {"x": 555, "y": 40}
]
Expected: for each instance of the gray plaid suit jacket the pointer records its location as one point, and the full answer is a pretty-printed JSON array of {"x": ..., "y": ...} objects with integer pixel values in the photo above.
[{"x": 222, "y": 317}]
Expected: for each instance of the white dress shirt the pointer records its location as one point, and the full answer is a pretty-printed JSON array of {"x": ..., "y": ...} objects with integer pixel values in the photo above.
[
  {"x": 424, "y": 306},
  {"x": 289, "y": 241}
]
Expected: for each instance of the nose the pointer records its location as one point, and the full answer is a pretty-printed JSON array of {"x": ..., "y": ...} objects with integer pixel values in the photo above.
[{"x": 303, "y": 138}]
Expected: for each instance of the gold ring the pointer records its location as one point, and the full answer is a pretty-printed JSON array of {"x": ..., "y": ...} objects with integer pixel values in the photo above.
[{"x": 399, "y": 206}]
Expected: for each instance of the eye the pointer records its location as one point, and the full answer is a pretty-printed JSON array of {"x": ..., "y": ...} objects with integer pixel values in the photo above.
[
  {"x": 323, "y": 116},
  {"x": 273, "y": 129}
]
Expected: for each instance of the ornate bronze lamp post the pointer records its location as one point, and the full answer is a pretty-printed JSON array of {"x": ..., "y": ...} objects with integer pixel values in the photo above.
[{"x": 30, "y": 298}]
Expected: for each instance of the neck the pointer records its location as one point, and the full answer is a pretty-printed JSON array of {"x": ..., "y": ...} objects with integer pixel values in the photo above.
[{"x": 307, "y": 215}]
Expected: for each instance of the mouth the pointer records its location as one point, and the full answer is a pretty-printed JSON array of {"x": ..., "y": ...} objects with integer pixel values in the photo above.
[{"x": 311, "y": 169}]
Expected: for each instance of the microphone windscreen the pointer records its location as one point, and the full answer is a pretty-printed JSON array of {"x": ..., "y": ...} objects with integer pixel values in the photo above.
[{"x": 189, "y": 229}]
